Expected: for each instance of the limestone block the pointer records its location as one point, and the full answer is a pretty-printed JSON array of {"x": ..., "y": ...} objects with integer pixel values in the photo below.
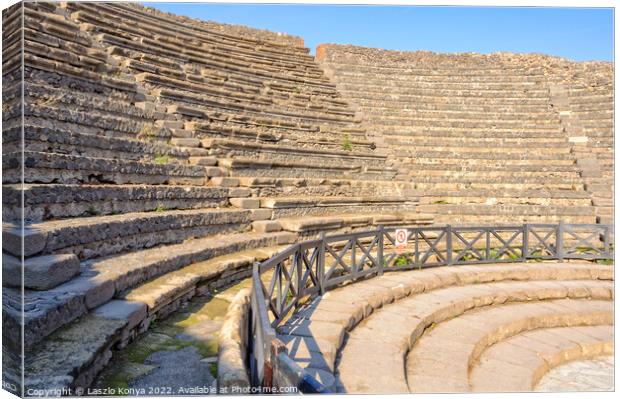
[
  {"x": 260, "y": 214},
  {"x": 312, "y": 223},
  {"x": 96, "y": 290},
  {"x": 245, "y": 203},
  {"x": 225, "y": 181},
  {"x": 181, "y": 133},
  {"x": 185, "y": 142},
  {"x": 131, "y": 312},
  {"x": 34, "y": 240},
  {"x": 266, "y": 226},
  {"x": 214, "y": 171},
  {"x": 239, "y": 192},
  {"x": 40, "y": 273},
  {"x": 203, "y": 161},
  {"x": 170, "y": 124}
]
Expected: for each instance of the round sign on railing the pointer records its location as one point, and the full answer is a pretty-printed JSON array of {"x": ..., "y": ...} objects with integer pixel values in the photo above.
[{"x": 400, "y": 240}]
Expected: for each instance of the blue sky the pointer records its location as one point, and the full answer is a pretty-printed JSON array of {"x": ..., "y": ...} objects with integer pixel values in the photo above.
[{"x": 575, "y": 33}]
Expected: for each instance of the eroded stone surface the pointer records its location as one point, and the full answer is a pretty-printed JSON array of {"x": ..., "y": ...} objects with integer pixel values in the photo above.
[{"x": 581, "y": 376}]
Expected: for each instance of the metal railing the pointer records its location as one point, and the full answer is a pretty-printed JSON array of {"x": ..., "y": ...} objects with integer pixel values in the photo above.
[{"x": 309, "y": 268}]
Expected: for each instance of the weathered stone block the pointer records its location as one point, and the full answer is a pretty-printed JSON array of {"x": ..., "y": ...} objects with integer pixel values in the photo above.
[
  {"x": 266, "y": 226},
  {"x": 245, "y": 203},
  {"x": 225, "y": 181},
  {"x": 40, "y": 273},
  {"x": 260, "y": 214}
]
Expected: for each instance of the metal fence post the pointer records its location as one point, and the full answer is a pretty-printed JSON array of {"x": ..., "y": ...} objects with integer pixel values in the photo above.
[
  {"x": 380, "y": 251},
  {"x": 449, "y": 244},
  {"x": 526, "y": 241},
  {"x": 300, "y": 273},
  {"x": 321, "y": 264},
  {"x": 559, "y": 241}
]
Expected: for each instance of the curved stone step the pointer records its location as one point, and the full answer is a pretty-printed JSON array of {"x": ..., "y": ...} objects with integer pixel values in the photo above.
[
  {"x": 518, "y": 363},
  {"x": 55, "y": 201},
  {"x": 97, "y": 236},
  {"x": 102, "y": 279},
  {"x": 72, "y": 356},
  {"x": 341, "y": 309},
  {"x": 388, "y": 347},
  {"x": 453, "y": 348},
  {"x": 286, "y": 207},
  {"x": 40, "y": 167}
]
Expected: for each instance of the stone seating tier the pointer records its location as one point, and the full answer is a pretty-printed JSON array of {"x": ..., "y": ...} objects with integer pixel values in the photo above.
[
  {"x": 484, "y": 108},
  {"x": 73, "y": 354},
  {"x": 521, "y": 321},
  {"x": 317, "y": 335},
  {"x": 164, "y": 155},
  {"x": 56, "y": 201},
  {"x": 566, "y": 344},
  {"x": 102, "y": 279}
]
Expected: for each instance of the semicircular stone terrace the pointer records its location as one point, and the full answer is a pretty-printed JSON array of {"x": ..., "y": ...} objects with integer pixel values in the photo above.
[
  {"x": 472, "y": 130},
  {"x": 343, "y": 337},
  {"x": 158, "y": 157},
  {"x": 162, "y": 156}
]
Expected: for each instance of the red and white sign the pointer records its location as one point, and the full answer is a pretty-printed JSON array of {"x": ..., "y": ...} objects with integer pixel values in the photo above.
[{"x": 401, "y": 240}]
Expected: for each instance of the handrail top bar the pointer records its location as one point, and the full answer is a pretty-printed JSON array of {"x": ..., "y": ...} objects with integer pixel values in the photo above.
[{"x": 267, "y": 264}]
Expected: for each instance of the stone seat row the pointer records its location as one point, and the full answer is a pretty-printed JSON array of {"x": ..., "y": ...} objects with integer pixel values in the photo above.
[
  {"x": 431, "y": 99},
  {"x": 286, "y": 187},
  {"x": 191, "y": 94},
  {"x": 486, "y": 71},
  {"x": 486, "y": 338},
  {"x": 490, "y": 140},
  {"x": 474, "y": 166},
  {"x": 414, "y": 123},
  {"x": 250, "y": 167},
  {"x": 495, "y": 184},
  {"x": 282, "y": 152},
  {"x": 181, "y": 29},
  {"x": 576, "y": 343},
  {"x": 421, "y": 152},
  {"x": 58, "y": 201},
  {"x": 49, "y": 140},
  {"x": 508, "y": 197},
  {"x": 509, "y": 213},
  {"x": 448, "y": 84},
  {"x": 283, "y": 207},
  {"x": 316, "y": 332},
  {"x": 111, "y": 319},
  {"x": 462, "y": 131},
  {"x": 277, "y": 91},
  {"x": 388, "y": 105},
  {"x": 491, "y": 113},
  {"x": 404, "y": 74},
  {"x": 221, "y": 61},
  {"x": 163, "y": 43},
  {"x": 458, "y": 134},
  {"x": 252, "y": 134},
  {"x": 126, "y": 18},
  {"x": 439, "y": 91},
  {"x": 42, "y": 167}
]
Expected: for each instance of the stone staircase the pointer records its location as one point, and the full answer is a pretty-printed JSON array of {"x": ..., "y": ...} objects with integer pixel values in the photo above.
[{"x": 485, "y": 138}]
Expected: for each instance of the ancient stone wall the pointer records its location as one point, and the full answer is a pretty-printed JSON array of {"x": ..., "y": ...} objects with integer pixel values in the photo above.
[{"x": 499, "y": 137}]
